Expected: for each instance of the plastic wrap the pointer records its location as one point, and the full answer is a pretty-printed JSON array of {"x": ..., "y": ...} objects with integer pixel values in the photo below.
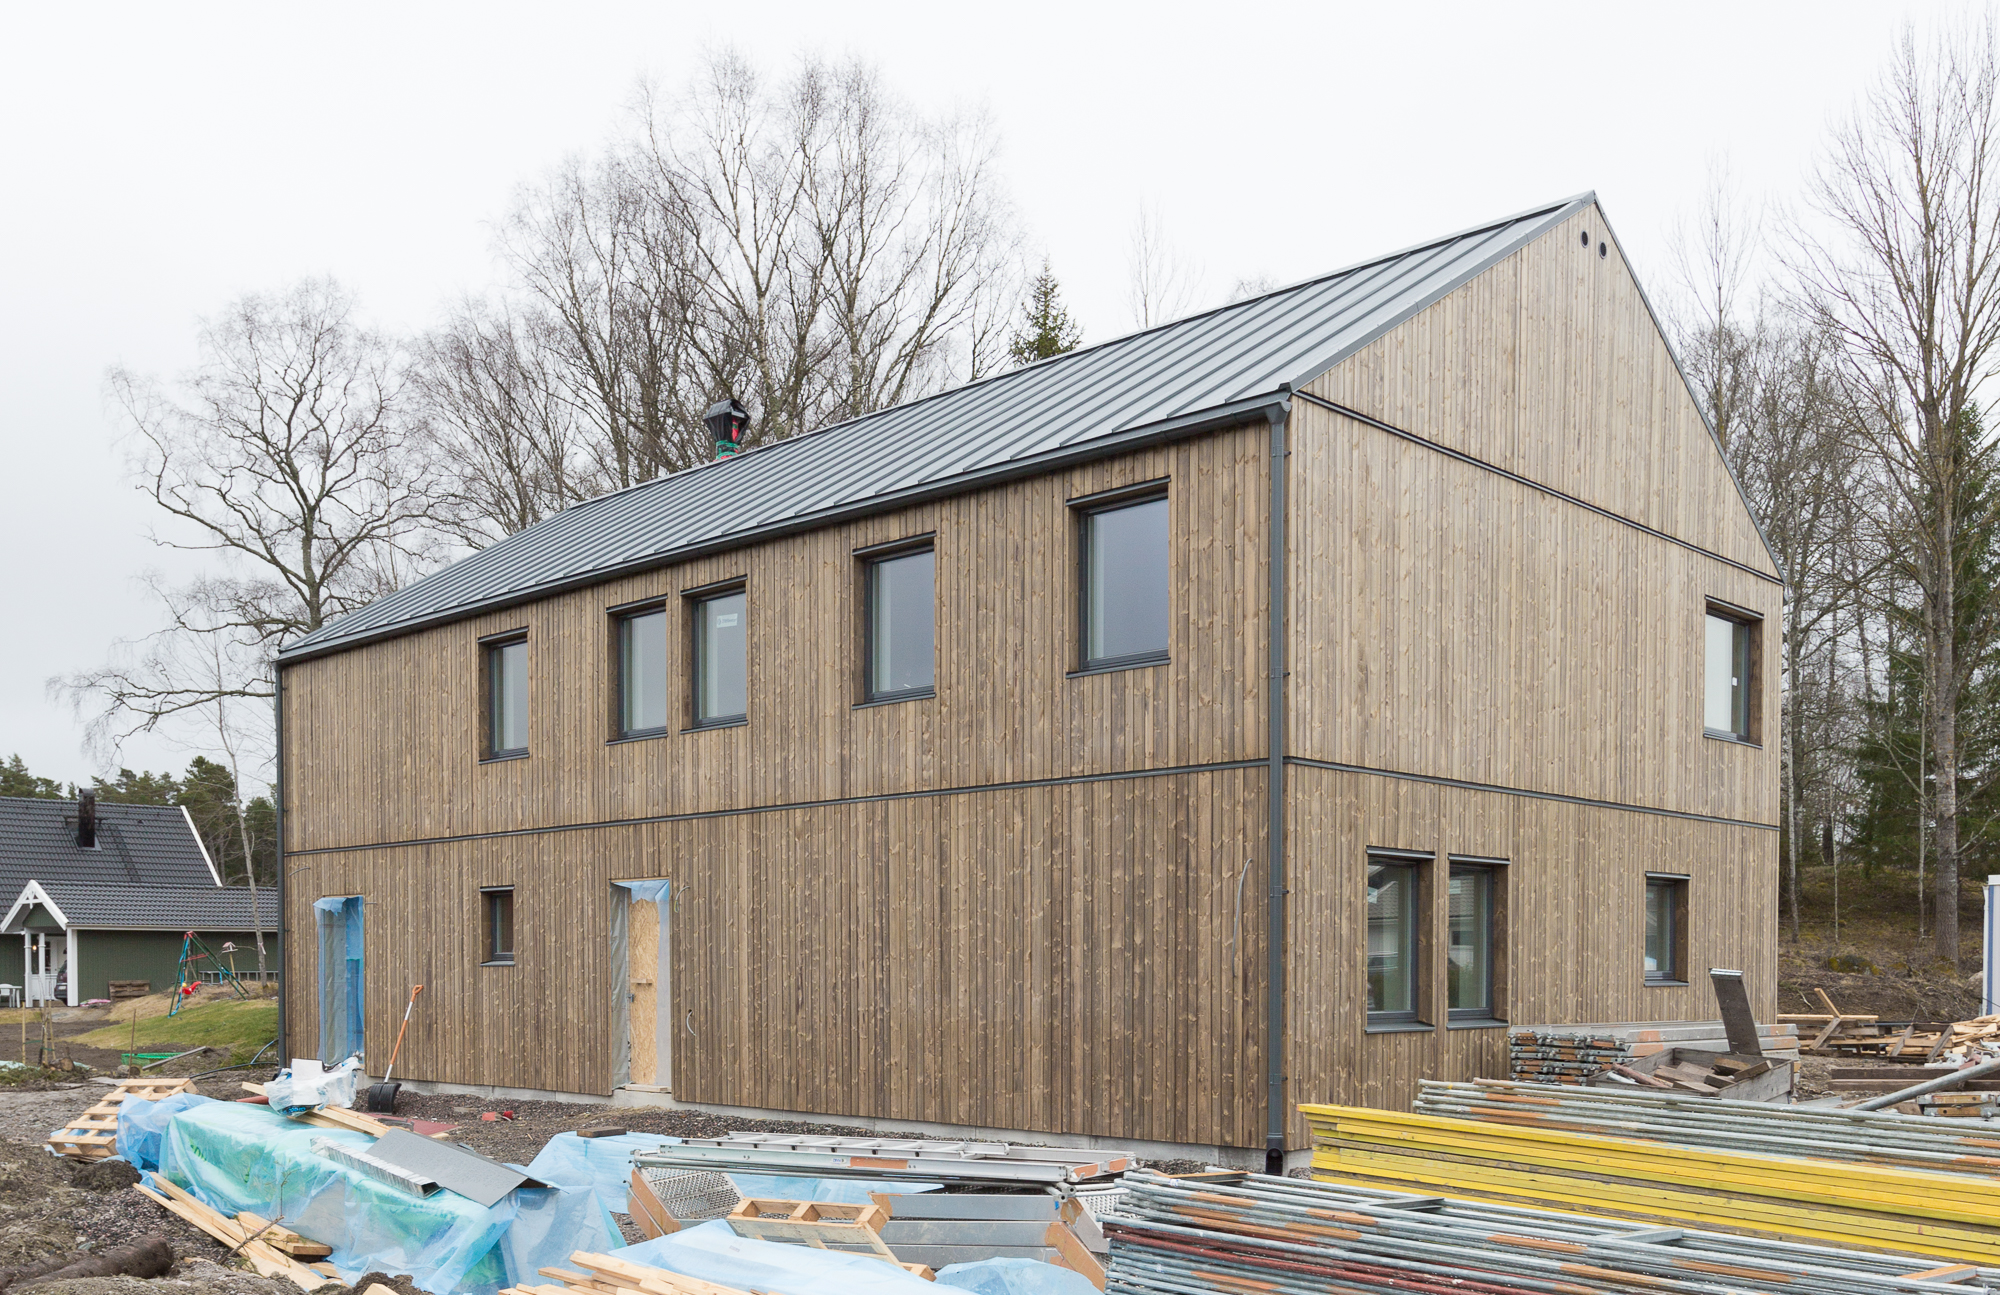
[
  {"x": 142, "y": 1126},
  {"x": 306, "y": 1085},
  {"x": 1015, "y": 1277},
  {"x": 713, "y": 1252},
  {"x": 237, "y": 1157},
  {"x": 606, "y": 1165}
]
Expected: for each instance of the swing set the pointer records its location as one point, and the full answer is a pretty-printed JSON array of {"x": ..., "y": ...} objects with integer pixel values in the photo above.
[{"x": 187, "y": 976}]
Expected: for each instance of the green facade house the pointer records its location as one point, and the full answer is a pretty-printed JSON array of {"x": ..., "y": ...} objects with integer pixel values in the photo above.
[{"x": 102, "y": 893}]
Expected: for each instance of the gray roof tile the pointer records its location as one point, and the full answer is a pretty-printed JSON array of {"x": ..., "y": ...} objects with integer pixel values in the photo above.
[
  {"x": 160, "y": 908},
  {"x": 137, "y": 845},
  {"x": 1088, "y": 401}
]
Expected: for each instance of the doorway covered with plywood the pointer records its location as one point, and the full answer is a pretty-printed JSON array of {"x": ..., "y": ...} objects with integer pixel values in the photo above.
[{"x": 641, "y": 935}]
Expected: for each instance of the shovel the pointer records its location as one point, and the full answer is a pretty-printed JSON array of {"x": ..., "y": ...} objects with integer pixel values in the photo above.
[{"x": 382, "y": 1096}]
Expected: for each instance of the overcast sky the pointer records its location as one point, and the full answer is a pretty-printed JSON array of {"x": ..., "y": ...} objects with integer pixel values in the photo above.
[{"x": 158, "y": 160}]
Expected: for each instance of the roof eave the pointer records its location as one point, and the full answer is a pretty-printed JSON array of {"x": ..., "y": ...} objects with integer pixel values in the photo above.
[{"x": 1242, "y": 410}]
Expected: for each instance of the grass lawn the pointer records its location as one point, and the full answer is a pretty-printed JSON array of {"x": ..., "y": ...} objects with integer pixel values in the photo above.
[{"x": 242, "y": 1027}]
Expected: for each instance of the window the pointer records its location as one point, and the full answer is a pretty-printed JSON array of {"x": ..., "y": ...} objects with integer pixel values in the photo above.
[
  {"x": 642, "y": 672},
  {"x": 499, "y": 924},
  {"x": 1666, "y": 930},
  {"x": 1471, "y": 952},
  {"x": 1125, "y": 585},
  {"x": 902, "y": 625},
  {"x": 507, "y": 699},
  {"x": 1726, "y": 700},
  {"x": 1394, "y": 901},
  {"x": 721, "y": 655}
]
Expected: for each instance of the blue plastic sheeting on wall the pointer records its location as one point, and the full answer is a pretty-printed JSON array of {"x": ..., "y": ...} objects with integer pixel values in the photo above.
[
  {"x": 341, "y": 999},
  {"x": 1015, "y": 1277},
  {"x": 237, "y": 1157},
  {"x": 142, "y": 1126},
  {"x": 606, "y": 1164},
  {"x": 713, "y": 1252}
]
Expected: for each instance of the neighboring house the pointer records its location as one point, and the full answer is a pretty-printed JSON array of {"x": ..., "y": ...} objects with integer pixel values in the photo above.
[
  {"x": 1265, "y": 707},
  {"x": 104, "y": 892}
]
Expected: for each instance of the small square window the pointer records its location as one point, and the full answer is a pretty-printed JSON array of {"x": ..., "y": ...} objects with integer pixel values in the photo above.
[
  {"x": 1395, "y": 898},
  {"x": 1125, "y": 579},
  {"x": 721, "y": 657},
  {"x": 1728, "y": 658},
  {"x": 499, "y": 905},
  {"x": 1666, "y": 930},
  {"x": 507, "y": 698},
  {"x": 642, "y": 672},
  {"x": 902, "y": 625}
]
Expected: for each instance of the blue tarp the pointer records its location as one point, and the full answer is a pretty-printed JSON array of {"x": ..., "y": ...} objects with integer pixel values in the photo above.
[
  {"x": 142, "y": 1126},
  {"x": 341, "y": 988},
  {"x": 606, "y": 1164},
  {"x": 237, "y": 1157},
  {"x": 713, "y": 1252},
  {"x": 1015, "y": 1277}
]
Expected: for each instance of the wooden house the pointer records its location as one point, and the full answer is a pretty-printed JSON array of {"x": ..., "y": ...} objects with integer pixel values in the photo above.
[{"x": 1265, "y": 707}]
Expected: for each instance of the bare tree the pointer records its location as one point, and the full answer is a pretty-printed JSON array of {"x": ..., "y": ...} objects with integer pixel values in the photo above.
[
  {"x": 1907, "y": 283},
  {"x": 1163, "y": 283}
]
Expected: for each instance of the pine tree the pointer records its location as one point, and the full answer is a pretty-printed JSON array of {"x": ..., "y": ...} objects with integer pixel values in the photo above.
[
  {"x": 1046, "y": 328},
  {"x": 15, "y": 780}
]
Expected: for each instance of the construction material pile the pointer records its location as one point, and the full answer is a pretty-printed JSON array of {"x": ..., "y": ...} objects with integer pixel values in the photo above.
[
  {"x": 1859, "y": 1195},
  {"x": 93, "y": 1135},
  {"x": 1571, "y": 1054},
  {"x": 1270, "y": 1234},
  {"x": 1832, "y": 1032}
]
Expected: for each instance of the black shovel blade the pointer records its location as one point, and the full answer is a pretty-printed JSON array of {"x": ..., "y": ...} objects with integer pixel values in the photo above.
[{"x": 382, "y": 1097}]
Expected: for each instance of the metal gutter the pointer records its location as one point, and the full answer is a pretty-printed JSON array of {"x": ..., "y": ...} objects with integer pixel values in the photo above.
[
  {"x": 278, "y": 818},
  {"x": 1278, "y": 554},
  {"x": 1212, "y": 419}
]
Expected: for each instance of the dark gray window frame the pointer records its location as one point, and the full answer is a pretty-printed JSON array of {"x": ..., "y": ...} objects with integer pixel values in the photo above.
[
  {"x": 619, "y": 615},
  {"x": 870, "y": 557},
  {"x": 1496, "y": 941},
  {"x": 1752, "y": 624},
  {"x": 494, "y": 957},
  {"x": 489, "y": 751},
  {"x": 1082, "y": 509},
  {"x": 693, "y": 600},
  {"x": 1421, "y": 867},
  {"x": 1680, "y": 883}
]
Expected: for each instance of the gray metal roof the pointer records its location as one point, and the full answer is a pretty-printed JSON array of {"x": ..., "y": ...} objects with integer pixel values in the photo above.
[
  {"x": 159, "y": 908},
  {"x": 137, "y": 845},
  {"x": 1193, "y": 372}
]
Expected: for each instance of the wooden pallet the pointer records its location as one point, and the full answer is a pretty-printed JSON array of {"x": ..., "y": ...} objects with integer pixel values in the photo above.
[{"x": 93, "y": 1135}]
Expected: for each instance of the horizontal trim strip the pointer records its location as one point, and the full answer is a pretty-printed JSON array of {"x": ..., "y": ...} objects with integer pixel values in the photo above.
[
  {"x": 1518, "y": 479},
  {"x": 974, "y": 789},
  {"x": 1522, "y": 791}
]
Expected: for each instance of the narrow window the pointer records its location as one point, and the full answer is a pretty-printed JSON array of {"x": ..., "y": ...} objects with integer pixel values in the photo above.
[
  {"x": 902, "y": 625},
  {"x": 1125, "y": 585},
  {"x": 1393, "y": 939},
  {"x": 642, "y": 672},
  {"x": 721, "y": 645},
  {"x": 499, "y": 924},
  {"x": 1470, "y": 955},
  {"x": 1666, "y": 930},
  {"x": 1726, "y": 702},
  {"x": 507, "y": 699}
]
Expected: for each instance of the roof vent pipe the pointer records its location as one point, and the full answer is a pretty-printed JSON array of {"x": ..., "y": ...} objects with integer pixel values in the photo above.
[
  {"x": 726, "y": 420},
  {"x": 86, "y": 820}
]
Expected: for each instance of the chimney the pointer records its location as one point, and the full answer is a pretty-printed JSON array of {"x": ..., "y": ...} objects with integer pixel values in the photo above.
[
  {"x": 726, "y": 420},
  {"x": 86, "y": 820}
]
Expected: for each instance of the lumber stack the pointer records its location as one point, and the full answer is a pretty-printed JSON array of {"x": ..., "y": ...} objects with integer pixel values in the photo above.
[
  {"x": 256, "y": 1239},
  {"x": 1830, "y": 1032},
  {"x": 1270, "y": 1234},
  {"x": 93, "y": 1135},
  {"x": 1849, "y": 1203},
  {"x": 333, "y": 1117},
  {"x": 608, "y": 1275}
]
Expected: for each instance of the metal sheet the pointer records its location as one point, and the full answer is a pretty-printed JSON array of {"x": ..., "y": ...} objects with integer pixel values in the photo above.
[{"x": 455, "y": 1168}]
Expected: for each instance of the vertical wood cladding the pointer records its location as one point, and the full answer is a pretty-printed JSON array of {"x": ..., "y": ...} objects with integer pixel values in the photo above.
[
  {"x": 383, "y": 740},
  {"x": 1063, "y": 958}
]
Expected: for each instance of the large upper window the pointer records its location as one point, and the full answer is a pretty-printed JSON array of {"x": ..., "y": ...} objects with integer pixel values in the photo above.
[
  {"x": 1469, "y": 957},
  {"x": 1666, "y": 929},
  {"x": 642, "y": 672},
  {"x": 1726, "y": 701},
  {"x": 902, "y": 625},
  {"x": 1394, "y": 896},
  {"x": 507, "y": 698},
  {"x": 1125, "y": 584},
  {"x": 721, "y": 659}
]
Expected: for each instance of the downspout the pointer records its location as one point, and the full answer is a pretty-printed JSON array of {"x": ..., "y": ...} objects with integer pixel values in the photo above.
[
  {"x": 1277, "y": 555},
  {"x": 278, "y": 848}
]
